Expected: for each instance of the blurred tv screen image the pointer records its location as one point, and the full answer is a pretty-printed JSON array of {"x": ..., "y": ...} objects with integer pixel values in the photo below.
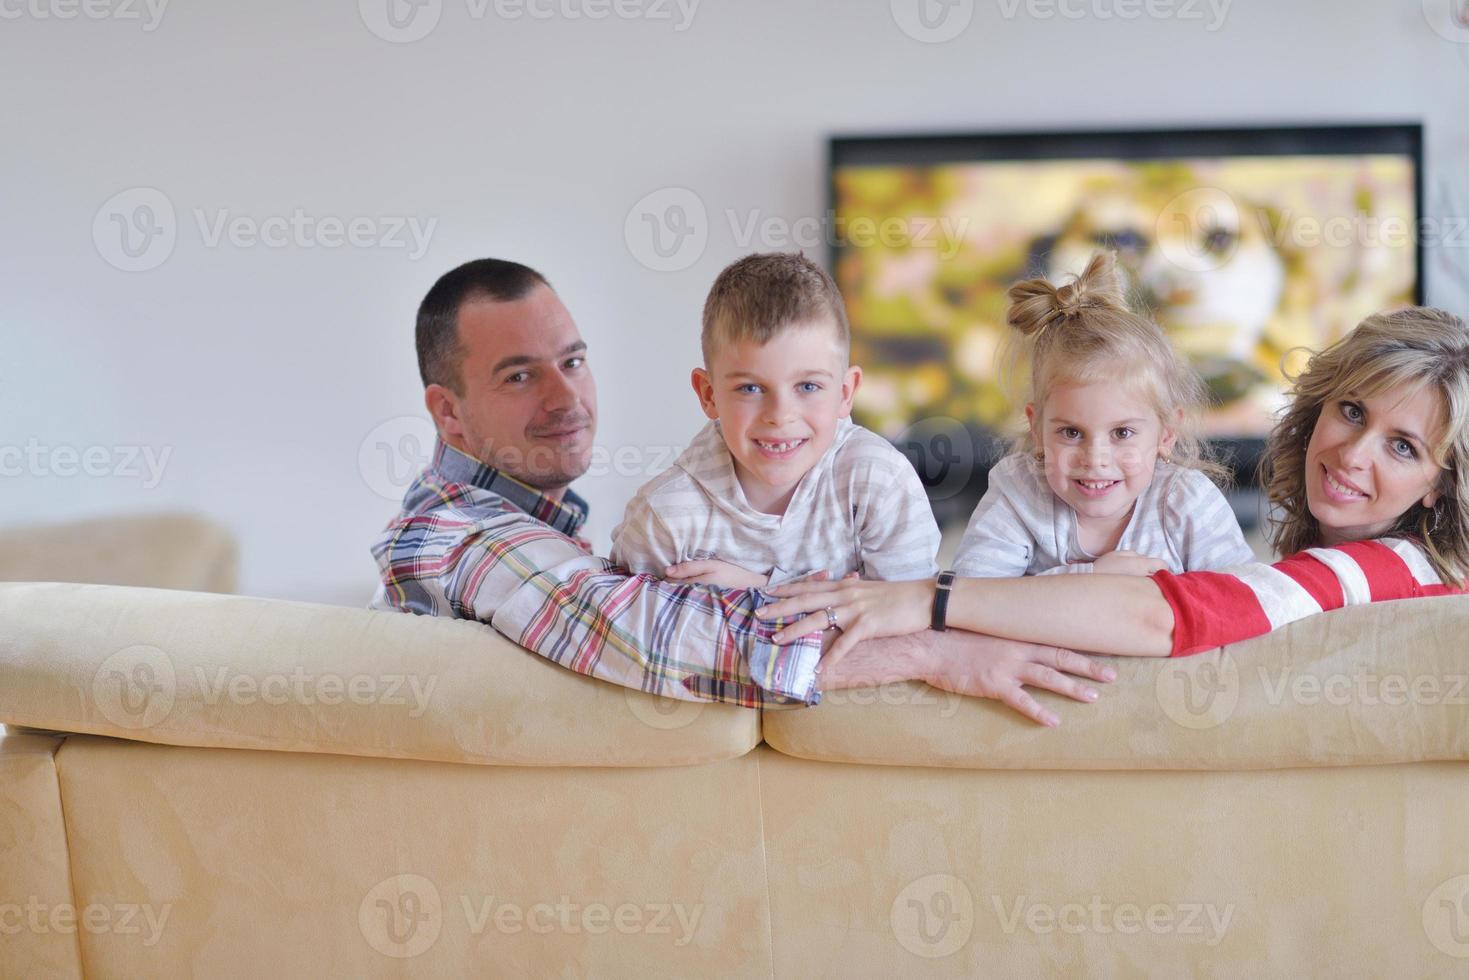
[{"x": 1249, "y": 248}]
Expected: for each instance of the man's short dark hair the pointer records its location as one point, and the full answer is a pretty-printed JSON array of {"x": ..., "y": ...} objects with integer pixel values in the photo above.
[{"x": 439, "y": 350}]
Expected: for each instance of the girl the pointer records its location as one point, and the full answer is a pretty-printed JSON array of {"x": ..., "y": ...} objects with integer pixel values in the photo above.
[
  {"x": 1110, "y": 476},
  {"x": 1367, "y": 467}
]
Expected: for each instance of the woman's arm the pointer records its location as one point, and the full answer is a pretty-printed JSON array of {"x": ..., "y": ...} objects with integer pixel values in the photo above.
[{"x": 1118, "y": 614}]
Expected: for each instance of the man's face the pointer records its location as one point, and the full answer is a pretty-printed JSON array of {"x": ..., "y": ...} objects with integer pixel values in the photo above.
[{"x": 528, "y": 405}]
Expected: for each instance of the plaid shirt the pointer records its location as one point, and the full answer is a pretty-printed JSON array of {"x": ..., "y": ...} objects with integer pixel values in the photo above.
[{"x": 474, "y": 543}]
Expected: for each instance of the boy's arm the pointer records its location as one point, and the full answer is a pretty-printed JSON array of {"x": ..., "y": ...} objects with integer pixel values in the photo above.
[
  {"x": 898, "y": 537},
  {"x": 643, "y": 543}
]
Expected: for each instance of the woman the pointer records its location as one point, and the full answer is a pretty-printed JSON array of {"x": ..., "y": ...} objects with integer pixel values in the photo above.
[{"x": 1366, "y": 467}]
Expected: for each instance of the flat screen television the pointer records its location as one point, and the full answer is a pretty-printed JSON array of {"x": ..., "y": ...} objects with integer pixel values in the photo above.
[{"x": 1248, "y": 246}]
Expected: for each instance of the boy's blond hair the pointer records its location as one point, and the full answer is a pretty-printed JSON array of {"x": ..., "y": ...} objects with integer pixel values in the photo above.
[
  {"x": 1083, "y": 333},
  {"x": 761, "y": 296}
]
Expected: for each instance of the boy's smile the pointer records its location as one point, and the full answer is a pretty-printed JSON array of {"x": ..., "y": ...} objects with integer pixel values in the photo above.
[{"x": 778, "y": 405}]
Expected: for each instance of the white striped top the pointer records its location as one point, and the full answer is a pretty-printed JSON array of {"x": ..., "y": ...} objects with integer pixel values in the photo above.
[
  {"x": 1021, "y": 528},
  {"x": 861, "y": 509}
]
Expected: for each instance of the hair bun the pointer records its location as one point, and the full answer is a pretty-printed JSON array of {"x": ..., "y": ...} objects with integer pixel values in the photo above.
[{"x": 1036, "y": 304}]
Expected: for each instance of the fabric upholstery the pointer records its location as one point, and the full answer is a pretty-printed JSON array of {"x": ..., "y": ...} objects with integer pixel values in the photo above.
[
  {"x": 230, "y": 671},
  {"x": 38, "y": 920},
  {"x": 164, "y": 551}
]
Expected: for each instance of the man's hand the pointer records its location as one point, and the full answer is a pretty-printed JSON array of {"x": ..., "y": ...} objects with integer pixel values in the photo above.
[
  {"x": 1127, "y": 563},
  {"x": 713, "y": 571},
  {"x": 974, "y": 665}
]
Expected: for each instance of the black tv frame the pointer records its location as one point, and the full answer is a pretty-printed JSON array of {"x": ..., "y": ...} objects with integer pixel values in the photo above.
[{"x": 1243, "y": 455}]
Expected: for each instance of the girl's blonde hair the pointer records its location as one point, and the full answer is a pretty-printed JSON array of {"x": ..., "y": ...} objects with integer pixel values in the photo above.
[
  {"x": 1413, "y": 348},
  {"x": 1084, "y": 332}
]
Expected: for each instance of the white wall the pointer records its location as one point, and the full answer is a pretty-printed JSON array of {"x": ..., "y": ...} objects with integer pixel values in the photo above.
[{"x": 261, "y": 370}]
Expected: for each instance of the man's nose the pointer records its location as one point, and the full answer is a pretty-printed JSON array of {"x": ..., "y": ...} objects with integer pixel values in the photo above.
[{"x": 559, "y": 394}]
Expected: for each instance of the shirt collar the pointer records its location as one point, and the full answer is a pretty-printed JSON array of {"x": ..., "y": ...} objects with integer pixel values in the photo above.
[{"x": 453, "y": 466}]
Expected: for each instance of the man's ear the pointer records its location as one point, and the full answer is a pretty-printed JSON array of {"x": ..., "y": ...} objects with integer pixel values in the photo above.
[
  {"x": 443, "y": 408},
  {"x": 704, "y": 388},
  {"x": 850, "y": 384}
]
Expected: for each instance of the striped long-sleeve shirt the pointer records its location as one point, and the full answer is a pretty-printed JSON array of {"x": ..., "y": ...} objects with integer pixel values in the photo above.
[
  {"x": 1211, "y": 609},
  {"x": 1022, "y": 528},
  {"x": 860, "y": 509},
  {"x": 473, "y": 543}
]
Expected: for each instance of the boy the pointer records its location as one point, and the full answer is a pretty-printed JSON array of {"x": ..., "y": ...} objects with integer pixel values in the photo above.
[{"x": 780, "y": 484}]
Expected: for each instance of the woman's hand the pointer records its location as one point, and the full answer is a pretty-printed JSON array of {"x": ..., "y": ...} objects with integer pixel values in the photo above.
[{"x": 859, "y": 610}]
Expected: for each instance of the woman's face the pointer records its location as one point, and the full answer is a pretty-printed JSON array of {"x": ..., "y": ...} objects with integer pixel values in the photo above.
[{"x": 1368, "y": 461}]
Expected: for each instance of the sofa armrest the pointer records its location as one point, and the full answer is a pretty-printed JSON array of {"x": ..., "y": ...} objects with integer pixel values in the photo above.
[
  {"x": 161, "y": 551},
  {"x": 183, "y": 668}
]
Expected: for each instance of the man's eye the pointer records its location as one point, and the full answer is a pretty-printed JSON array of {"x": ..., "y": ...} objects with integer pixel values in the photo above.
[
  {"x": 576, "y": 362},
  {"x": 518, "y": 377}
]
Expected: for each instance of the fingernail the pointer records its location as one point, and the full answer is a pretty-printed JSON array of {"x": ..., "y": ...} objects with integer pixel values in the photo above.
[
  {"x": 777, "y": 637},
  {"x": 1110, "y": 674},
  {"x": 1052, "y": 721},
  {"x": 1091, "y": 695}
]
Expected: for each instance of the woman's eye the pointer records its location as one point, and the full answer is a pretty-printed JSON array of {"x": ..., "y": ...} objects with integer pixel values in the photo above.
[
  {"x": 1351, "y": 412},
  {"x": 1404, "y": 448}
]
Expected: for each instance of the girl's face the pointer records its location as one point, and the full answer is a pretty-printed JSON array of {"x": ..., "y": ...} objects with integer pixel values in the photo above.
[
  {"x": 1368, "y": 461},
  {"x": 1101, "y": 443}
]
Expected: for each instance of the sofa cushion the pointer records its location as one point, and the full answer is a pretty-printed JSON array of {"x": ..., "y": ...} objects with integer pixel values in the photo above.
[
  {"x": 1373, "y": 684},
  {"x": 184, "y": 668}
]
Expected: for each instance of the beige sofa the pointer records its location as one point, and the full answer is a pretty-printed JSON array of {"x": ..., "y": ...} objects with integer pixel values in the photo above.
[{"x": 250, "y": 787}]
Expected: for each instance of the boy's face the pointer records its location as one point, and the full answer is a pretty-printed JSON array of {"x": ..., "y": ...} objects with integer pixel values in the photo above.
[{"x": 778, "y": 405}]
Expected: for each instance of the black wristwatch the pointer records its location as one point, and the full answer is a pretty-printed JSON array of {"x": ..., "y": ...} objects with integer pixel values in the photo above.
[{"x": 941, "y": 600}]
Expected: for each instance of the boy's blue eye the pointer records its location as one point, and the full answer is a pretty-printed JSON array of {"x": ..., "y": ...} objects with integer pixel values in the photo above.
[
  {"x": 809, "y": 387},
  {"x": 749, "y": 389}
]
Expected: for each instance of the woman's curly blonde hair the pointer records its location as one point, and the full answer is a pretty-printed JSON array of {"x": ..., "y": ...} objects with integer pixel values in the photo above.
[
  {"x": 1413, "y": 348},
  {"x": 1083, "y": 332}
]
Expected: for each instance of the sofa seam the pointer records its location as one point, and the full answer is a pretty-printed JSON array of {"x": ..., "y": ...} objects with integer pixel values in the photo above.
[
  {"x": 71, "y": 879},
  {"x": 765, "y": 864}
]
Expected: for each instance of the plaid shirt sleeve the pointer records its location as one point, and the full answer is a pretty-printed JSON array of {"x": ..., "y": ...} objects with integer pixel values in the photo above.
[{"x": 541, "y": 589}]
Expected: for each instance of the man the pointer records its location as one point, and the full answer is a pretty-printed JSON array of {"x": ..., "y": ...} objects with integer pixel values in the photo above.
[{"x": 489, "y": 532}]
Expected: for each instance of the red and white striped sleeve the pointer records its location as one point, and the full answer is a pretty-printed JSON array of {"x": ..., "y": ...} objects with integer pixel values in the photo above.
[{"x": 1211, "y": 609}]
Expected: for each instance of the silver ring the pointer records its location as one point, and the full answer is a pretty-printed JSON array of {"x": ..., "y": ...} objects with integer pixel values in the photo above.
[{"x": 831, "y": 619}]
